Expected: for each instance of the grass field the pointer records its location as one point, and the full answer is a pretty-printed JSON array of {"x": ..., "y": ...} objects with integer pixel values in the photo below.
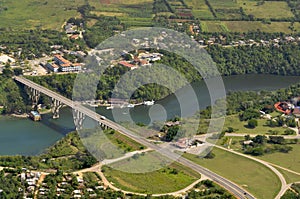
[
  {"x": 234, "y": 122},
  {"x": 269, "y": 9},
  {"x": 288, "y": 160},
  {"x": 28, "y": 14},
  {"x": 254, "y": 177},
  {"x": 167, "y": 179},
  {"x": 108, "y": 144},
  {"x": 289, "y": 177}
]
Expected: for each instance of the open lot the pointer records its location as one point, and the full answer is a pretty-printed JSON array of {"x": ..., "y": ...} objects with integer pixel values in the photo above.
[{"x": 254, "y": 177}]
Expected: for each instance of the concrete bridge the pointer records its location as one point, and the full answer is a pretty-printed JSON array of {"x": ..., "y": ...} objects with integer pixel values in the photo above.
[{"x": 81, "y": 112}]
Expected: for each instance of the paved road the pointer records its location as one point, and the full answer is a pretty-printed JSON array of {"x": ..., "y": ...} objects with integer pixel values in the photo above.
[{"x": 230, "y": 186}]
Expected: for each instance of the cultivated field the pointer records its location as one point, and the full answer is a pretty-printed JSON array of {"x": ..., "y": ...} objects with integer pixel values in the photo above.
[
  {"x": 269, "y": 9},
  {"x": 29, "y": 14}
]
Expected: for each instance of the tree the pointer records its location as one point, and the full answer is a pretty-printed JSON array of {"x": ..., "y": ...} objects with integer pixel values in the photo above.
[
  {"x": 249, "y": 114},
  {"x": 7, "y": 72},
  {"x": 252, "y": 123},
  {"x": 18, "y": 71},
  {"x": 259, "y": 139}
]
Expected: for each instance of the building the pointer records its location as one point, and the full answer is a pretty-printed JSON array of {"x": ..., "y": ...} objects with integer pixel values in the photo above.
[
  {"x": 296, "y": 111},
  {"x": 128, "y": 65},
  {"x": 63, "y": 65},
  {"x": 52, "y": 67},
  {"x": 35, "y": 116}
]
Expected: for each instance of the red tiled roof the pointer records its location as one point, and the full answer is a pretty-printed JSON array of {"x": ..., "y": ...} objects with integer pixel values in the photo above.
[
  {"x": 124, "y": 63},
  {"x": 59, "y": 57}
]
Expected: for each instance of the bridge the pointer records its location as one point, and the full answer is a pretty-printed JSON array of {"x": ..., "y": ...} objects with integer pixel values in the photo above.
[{"x": 81, "y": 112}]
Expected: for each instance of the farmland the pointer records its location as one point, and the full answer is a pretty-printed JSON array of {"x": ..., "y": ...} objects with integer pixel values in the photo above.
[
  {"x": 214, "y": 15},
  {"x": 29, "y": 14}
]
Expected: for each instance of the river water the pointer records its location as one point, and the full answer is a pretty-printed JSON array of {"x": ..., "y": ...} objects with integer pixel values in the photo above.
[{"x": 25, "y": 137}]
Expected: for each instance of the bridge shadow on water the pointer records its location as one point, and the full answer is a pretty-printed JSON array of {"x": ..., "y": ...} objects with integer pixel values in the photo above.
[{"x": 57, "y": 124}]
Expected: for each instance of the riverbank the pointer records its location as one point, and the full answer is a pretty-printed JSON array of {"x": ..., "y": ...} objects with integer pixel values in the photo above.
[{"x": 24, "y": 115}]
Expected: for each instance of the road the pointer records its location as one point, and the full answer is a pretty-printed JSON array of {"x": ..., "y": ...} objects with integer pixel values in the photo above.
[
  {"x": 230, "y": 186},
  {"x": 253, "y": 135}
]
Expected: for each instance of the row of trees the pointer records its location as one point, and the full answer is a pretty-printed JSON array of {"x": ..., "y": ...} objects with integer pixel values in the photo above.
[{"x": 261, "y": 144}]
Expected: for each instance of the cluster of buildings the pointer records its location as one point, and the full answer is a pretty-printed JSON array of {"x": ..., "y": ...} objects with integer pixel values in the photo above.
[
  {"x": 72, "y": 31},
  {"x": 60, "y": 64},
  {"x": 143, "y": 59},
  {"x": 63, "y": 187},
  {"x": 30, "y": 179},
  {"x": 272, "y": 42}
]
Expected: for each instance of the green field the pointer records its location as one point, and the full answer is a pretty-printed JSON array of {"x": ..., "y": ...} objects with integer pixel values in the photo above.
[
  {"x": 199, "y": 9},
  {"x": 246, "y": 26},
  {"x": 167, "y": 179},
  {"x": 288, "y": 160},
  {"x": 269, "y": 9},
  {"x": 132, "y": 13},
  {"x": 214, "y": 26},
  {"x": 254, "y": 177},
  {"x": 289, "y": 177},
  {"x": 224, "y": 4},
  {"x": 28, "y": 14},
  {"x": 240, "y": 26},
  {"x": 241, "y": 126}
]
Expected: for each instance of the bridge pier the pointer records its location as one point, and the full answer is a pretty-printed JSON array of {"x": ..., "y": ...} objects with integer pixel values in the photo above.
[
  {"x": 103, "y": 126},
  {"x": 78, "y": 119},
  {"x": 34, "y": 96},
  {"x": 56, "y": 105}
]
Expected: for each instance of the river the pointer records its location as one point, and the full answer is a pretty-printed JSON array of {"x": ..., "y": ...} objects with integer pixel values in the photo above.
[{"x": 25, "y": 137}]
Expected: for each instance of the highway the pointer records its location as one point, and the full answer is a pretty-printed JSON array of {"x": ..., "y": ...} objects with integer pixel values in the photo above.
[{"x": 230, "y": 186}]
